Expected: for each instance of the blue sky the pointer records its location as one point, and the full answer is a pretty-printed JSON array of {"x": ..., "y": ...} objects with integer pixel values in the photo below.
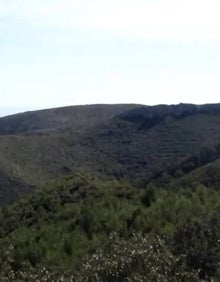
[{"x": 67, "y": 52}]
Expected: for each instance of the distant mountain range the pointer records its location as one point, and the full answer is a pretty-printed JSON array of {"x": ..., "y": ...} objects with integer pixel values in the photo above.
[{"x": 129, "y": 142}]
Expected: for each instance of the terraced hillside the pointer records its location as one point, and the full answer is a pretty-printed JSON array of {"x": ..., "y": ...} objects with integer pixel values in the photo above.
[
  {"x": 148, "y": 140},
  {"x": 129, "y": 142},
  {"x": 111, "y": 193}
]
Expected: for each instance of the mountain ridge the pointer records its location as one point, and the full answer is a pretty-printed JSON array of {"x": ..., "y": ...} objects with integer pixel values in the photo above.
[
  {"x": 126, "y": 141},
  {"x": 111, "y": 193}
]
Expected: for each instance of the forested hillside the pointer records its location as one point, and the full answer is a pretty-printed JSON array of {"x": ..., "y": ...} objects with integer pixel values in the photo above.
[
  {"x": 130, "y": 142},
  {"x": 70, "y": 227},
  {"x": 111, "y": 193}
]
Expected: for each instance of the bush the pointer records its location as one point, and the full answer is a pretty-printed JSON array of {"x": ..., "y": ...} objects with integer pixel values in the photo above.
[
  {"x": 137, "y": 259},
  {"x": 200, "y": 243}
]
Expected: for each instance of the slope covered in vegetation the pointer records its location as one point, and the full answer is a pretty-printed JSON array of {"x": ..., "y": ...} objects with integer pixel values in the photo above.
[
  {"x": 68, "y": 225},
  {"x": 111, "y": 193},
  {"x": 130, "y": 142}
]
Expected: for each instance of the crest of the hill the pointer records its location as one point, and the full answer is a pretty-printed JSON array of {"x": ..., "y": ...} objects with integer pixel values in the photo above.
[{"x": 130, "y": 142}]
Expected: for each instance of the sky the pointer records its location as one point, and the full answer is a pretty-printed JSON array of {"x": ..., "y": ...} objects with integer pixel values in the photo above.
[{"x": 68, "y": 52}]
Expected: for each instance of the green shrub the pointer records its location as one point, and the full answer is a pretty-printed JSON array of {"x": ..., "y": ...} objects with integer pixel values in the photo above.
[{"x": 137, "y": 259}]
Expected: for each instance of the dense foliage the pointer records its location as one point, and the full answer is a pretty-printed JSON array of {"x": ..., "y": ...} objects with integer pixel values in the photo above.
[
  {"x": 136, "y": 259},
  {"x": 66, "y": 230},
  {"x": 129, "y": 142},
  {"x": 111, "y": 193}
]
